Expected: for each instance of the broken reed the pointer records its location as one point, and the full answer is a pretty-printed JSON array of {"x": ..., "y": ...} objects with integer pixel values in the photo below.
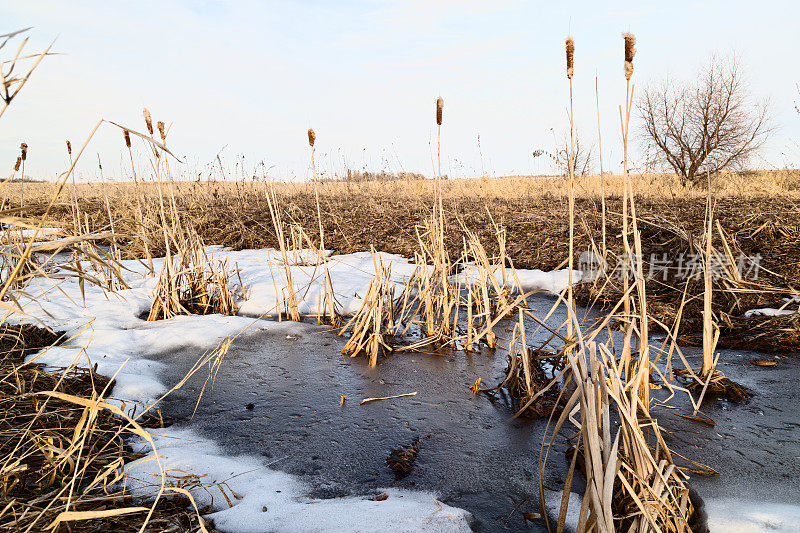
[
  {"x": 461, "y": 313},
  {"x": 191, "y": 284},
  {"x": 373, "y": 326},
  {"x": 289, "y": 301},
  {"x": 630, "y": 485},
  {"x": 627, "y": 480}
]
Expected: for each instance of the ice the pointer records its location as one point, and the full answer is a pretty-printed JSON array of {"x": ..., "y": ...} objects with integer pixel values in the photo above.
[
  {"x": 270, "y": 500},
  {"x": 107, "y": 329}
]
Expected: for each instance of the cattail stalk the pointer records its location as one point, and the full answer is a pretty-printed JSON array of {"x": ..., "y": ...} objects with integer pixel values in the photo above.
[
  {"x": 642, "y": 375},
  {"x": 312, "y": 137},
  {"x": 23, "y": 156},
  {"x": 709, "y": 341},
  {"x": 76, "y": 213},
  {"x": 328, "y": 305},
  {"x": 440, "y": 220},
  {"x": 139, "y": 211},
  {"x": 570, "y": 49}
]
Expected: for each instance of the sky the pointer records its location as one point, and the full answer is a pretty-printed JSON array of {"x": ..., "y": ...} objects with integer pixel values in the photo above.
[{"x": 245, "y": 80}]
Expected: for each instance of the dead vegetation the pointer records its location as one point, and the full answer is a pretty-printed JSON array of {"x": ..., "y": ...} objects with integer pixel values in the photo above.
[{"x": 64, "y": 449}]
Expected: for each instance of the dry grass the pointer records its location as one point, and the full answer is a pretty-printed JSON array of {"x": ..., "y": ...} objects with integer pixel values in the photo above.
[
  {"x": 780, "y": 183},
  {"x": 63, "y": 448},
  {"x": 373, "y": 326}
]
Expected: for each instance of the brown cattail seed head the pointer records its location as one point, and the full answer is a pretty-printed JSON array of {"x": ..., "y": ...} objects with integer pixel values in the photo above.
[
  {"x": 16, "y": 167},
  {"x": 439, "y": 110},
  {"x": 160, "y": 126},
  {"x": 127, "y": 135},
  {"x": 148, "y": 120},
  {"x": 24, "y": 148},
  {"x": 630, "y": 51},
  {"x": 570, "y": 56},
  {"x": 311, "y": 137},
  {"x": 69, "y": 148}
]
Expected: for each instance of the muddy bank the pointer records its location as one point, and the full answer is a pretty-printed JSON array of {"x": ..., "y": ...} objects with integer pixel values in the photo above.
[{"x": 277, "y": 395}]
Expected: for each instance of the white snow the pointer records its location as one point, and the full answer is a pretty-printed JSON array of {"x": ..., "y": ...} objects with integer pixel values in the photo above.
[
  {"x": 105, "y": 328},
  {"x": 21, "y": 234},
  {"x": 552, "y": 503},
  {"x": 350, "y": 276},
  {"x": 724, "y": 515},
  {"x": 552, "y": 282},
  {"x": 269, "y": 500},
  {"x": 737, "y": 516},
  {"x": 767, "y": 311}
]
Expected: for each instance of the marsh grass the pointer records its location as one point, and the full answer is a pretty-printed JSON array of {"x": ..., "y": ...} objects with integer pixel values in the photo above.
[
  {"x": 192, "y": 284},
  {"x": 65, "y": 452},
  {"x": 373, "y": 326}
]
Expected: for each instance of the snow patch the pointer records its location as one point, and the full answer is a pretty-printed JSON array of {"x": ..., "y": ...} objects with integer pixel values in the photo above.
[
  {"x": 767, "y": 311},
  {"x": 553, "y": 282},
  {"x": 270, "y": 500},
  {"x": 735, "y": 516},
  {"x": 106, "y": 329}
]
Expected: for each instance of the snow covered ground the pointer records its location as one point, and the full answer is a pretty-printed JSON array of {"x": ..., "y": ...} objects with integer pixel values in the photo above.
[{"x": 106, "y": 329}]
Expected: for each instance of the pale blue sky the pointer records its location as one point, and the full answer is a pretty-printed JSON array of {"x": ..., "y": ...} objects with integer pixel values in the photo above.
[{"x": 249, "y": 78}]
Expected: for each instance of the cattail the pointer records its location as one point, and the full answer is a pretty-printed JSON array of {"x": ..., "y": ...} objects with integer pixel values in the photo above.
[
  {"x": 148, "y": 120},
  {"x": 127, "y": 135},
  {"x": 630, "y": 51},
  {"x": 311, "y": 137},
  {"x": 570, "y": 56},
  {"x": 16, "y": 167},
  {"x": 439, "y": 109},
  {"x": 69, "y": 148},
  {"x": 24, "y": 148},
  {"x": 160, "y": 126}
]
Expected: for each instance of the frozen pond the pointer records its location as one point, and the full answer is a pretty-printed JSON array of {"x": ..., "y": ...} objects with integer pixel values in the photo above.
[{"x": 277, "y": 395}]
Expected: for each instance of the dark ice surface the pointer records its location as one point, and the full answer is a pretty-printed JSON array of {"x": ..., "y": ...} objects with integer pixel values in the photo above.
[{"x": 277, "y": 394}]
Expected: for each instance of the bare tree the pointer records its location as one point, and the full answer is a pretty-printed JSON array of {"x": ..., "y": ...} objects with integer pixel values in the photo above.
[
  {"x": 560, "y": 157},
  {"x": 713, "y": 123}
]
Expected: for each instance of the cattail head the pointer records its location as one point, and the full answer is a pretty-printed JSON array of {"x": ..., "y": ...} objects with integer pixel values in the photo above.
[
  {"x": 24, "y": 149},
  {"x": 570, "y": 56},
  {"x": 127, "y": 135},
  {"x": 439, "y": 110},
  {"x": 19, "y": 161},
  {"x": 69, "y": 148},
  {"x": 311, "y": 137},
  {"x": 630, "y": 51},
  {"x": 148, "y": 120},
  {"x": 160, "y": 126}
]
